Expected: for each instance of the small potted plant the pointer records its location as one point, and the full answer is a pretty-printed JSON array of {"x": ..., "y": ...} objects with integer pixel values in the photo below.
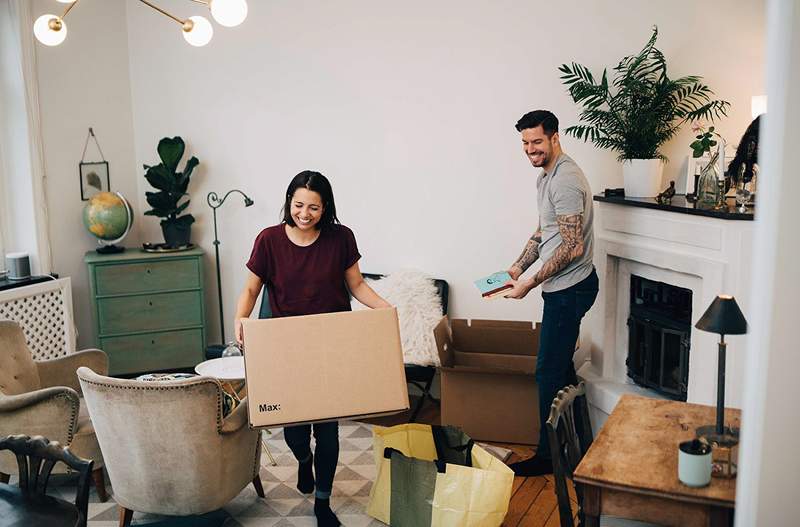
[
  {"x": 171, "y": 186},
  {"x": 637, "y": 112}
]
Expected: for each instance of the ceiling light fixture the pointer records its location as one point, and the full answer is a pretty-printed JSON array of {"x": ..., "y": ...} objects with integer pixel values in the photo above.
[{"x": 51, "y": 30}]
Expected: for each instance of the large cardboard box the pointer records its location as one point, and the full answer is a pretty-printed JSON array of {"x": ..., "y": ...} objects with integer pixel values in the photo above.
[
  {"x": 324, "y": 367},
  {"x": 487, "y": 375}
]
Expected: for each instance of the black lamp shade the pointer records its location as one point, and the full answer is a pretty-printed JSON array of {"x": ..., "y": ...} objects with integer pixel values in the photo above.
[{"x": 724, "y": 317}]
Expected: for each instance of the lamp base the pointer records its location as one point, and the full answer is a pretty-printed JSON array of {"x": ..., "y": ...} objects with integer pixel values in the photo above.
[{"x": 724, "y": 448}]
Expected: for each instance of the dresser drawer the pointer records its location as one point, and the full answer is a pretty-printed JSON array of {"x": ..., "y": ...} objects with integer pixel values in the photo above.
[
  {"x": 152, "y": 312},
  {"x": 144, "y": 277},
  {"x": 153, "y": 352}
]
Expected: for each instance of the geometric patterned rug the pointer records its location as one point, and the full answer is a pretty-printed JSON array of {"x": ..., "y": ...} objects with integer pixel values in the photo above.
[{"x": 284, "y": 506}]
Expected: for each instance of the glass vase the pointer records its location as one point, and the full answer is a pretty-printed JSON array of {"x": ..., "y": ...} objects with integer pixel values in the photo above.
[{"x": 708, "y": 191}]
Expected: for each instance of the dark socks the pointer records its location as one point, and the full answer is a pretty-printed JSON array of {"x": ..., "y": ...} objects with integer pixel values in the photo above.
[
  {"x": 305, "y": 476},
  {"x": 324, "y": 514},
  {"x": 535, "y": 466}
]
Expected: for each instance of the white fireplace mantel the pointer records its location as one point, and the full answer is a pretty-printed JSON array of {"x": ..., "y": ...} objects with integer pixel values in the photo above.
[{"x": 708, "y": 255}]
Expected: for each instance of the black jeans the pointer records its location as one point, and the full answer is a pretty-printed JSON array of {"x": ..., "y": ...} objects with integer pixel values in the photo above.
[
  {"x": 561, "y": 323},
  {"x": 326, "y": 453}
]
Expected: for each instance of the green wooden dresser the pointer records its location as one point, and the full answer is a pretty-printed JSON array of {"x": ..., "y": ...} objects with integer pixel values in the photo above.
[{"x": 148, "y": 309}]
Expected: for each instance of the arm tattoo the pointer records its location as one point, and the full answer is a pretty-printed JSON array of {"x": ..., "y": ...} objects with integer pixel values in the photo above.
[
  {"x": 571, "y": 229},
  {"x": 530, "y": 253}
]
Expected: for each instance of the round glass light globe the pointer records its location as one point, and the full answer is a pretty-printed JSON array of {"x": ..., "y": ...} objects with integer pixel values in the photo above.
[
  {"x": 232, "y": 350},
  {"x": 47, "y": 36},
  {"x": 229, "y": 13},
  {"x": 201, "y": 32}
]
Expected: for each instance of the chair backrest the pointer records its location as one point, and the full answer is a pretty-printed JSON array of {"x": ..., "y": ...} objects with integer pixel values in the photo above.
[
  {"x": 160, "y": 440},
  {"x": 18, "y": 372},
  {"x": 442, "y": 288},
  {"x": 570, "y": 435},
  {"x": 36, "y": 457}
]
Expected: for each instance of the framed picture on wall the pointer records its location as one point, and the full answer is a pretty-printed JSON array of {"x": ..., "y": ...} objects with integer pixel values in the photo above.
[{"x": 94, "y": 178}]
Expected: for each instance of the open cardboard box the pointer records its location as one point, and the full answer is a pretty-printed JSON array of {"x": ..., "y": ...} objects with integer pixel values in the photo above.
[
  {"x": 326, "y": 367},
  {"x": 487, "y": 374}
]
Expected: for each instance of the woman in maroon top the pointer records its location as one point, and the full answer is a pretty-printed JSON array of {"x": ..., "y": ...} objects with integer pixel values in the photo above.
[{"x": 308, "y": 262}]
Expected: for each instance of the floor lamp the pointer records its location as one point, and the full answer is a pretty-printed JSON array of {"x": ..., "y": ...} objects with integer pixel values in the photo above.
[{"x": 214, "y": 201}]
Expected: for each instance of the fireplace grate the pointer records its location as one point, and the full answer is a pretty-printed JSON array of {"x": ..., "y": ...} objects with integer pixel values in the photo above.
[{"x": 659, "y": 329}]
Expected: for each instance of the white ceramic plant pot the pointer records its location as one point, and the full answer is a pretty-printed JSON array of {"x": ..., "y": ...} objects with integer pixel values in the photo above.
[{"x": 642, "y": 177}]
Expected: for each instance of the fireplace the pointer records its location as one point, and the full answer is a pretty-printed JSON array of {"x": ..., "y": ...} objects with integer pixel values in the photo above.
[{"x": 659, "y": 336}]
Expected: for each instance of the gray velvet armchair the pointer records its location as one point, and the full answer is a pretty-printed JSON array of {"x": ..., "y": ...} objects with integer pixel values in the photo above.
[
  {"x": 44, "y": 398},
  {"x": 167, "y": 448}
]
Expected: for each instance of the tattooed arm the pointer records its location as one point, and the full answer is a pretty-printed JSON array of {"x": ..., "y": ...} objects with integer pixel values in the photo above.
[
  {"x": 529, "y": 255},
  {"x": 571, "y": 229}
]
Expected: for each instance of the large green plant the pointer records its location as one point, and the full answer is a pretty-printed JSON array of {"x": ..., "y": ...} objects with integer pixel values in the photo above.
[
  {"x": 642, "y": 108},
  {"x": 170, "y": 183}
]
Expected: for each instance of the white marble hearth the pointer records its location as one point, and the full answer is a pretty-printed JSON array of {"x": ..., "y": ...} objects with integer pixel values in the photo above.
[{"x": 704, "y": 254}]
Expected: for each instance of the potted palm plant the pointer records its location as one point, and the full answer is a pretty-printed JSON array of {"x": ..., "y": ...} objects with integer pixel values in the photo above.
[
  {"x": 171, "y": 186},
  {"x": 638, "y": 111}
]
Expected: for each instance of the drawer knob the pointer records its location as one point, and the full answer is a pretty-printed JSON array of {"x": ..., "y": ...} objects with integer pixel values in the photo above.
[
  {"x": 152, "y": 342},
  {"x": 150, "y": 303},
  {"x": 148, "y": 271}
]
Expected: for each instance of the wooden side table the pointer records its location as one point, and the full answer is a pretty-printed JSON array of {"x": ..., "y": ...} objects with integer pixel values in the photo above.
[{"x": 631, "y": 469}]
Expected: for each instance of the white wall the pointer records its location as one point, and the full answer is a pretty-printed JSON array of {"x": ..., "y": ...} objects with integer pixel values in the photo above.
[
  {"x": 84, "y": 82},
  {"x": 768, "y": 477},
  {"x": 408, "y": 108}
]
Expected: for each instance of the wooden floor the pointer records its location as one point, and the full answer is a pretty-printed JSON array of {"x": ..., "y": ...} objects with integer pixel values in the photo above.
[{"x": 533, "y": 500}]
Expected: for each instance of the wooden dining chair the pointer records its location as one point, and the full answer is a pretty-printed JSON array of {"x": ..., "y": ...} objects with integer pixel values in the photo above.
[
  {"x": 570, "y": 434},
  {"x": 29, "y": 503}
]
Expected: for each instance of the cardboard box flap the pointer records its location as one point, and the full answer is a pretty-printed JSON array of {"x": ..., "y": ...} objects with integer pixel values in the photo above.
[
  {"x": 444, "y": 341},
  {"x": 495, "y": 336},
  {"x": 322, "y": 367},
  {"x": 525, "y": 364}
]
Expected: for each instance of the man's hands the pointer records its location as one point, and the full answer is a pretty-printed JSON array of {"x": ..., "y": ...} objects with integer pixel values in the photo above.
[
  {"x": 520, "y": 288},
  {"x": 237, "y": 331},
  {"x": 515, "y": 271}
]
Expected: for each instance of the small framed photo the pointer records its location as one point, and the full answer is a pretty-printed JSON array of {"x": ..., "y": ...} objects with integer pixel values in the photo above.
[{"x": 94, "y": 178}]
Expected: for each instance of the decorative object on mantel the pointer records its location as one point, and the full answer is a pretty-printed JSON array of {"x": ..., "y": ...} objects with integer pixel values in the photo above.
[
  {"x": 665, "y": 197},
  {"x": 171, "y": 185},
  {"x": 93, "y": 175},
  {"x": 744, "y": 167},
  {"x": 108, "y": 216},
  {"x": 231, "y": 349},
  {"x": 646, "y": 111},
  {"x": 709, "y": 193},
  {"x": 164, "y": 248},
  {"x": 612, "y": 192},
  {"x": 724, "y": 317},
  {"x": 51, "y": 30}
]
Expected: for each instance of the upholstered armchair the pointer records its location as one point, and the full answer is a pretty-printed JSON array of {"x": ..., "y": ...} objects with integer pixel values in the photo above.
[
  {"x": 44, "y": 398},
  {"x": 166, "y": 445}
]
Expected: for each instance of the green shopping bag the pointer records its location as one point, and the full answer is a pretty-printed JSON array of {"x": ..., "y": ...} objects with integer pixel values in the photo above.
[{"x": 436, "y": 476}]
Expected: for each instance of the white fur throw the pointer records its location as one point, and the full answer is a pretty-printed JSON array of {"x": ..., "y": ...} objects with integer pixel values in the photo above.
[{"x": 419, "y": 309}]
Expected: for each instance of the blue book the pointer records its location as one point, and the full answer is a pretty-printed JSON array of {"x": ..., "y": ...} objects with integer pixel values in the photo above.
[{"x": 494, "y": 284}]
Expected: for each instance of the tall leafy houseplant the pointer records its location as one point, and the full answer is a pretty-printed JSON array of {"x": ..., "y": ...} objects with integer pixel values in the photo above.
[
  {"x": 171, "y": 186},
  {"x": 638, "y": 111}
]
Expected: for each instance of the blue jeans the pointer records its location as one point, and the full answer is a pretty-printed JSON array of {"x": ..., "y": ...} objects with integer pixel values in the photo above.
[{"x": 561, "y": 323}]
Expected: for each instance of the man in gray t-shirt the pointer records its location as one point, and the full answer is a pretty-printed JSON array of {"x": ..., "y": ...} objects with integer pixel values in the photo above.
[{"x": 564, "y": 242}]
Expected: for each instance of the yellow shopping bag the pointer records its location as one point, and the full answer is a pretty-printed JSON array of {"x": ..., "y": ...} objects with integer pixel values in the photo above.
[{"x": 436, "y": 476}]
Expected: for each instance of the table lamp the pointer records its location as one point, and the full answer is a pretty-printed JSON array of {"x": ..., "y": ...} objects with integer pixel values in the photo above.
[{"x": 724, "y": 317}]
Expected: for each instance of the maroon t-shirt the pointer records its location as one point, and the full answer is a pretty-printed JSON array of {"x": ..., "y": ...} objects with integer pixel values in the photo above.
[{"x": 304, "y": 280}]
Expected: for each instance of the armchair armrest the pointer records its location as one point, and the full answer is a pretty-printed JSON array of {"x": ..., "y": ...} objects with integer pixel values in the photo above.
[
  {"x": 236, "y": 419},
  {"x": 61, "y": 371},
  {"x": 51, "y": 412}
]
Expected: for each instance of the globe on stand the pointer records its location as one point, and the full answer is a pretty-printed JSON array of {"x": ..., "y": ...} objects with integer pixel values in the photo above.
[{"x": 108, "y": 217}]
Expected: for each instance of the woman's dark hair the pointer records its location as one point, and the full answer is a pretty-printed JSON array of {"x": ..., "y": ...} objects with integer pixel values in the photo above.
[{"x": 315, "y": 182}]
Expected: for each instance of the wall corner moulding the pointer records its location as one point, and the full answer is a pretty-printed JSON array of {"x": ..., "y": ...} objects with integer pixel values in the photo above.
[{"x": 51, "y": 30}]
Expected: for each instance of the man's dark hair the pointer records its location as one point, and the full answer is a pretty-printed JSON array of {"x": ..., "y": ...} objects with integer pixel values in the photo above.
[
  {"x": 318, "y": 183},
  {"x": 546, "y": 119}
]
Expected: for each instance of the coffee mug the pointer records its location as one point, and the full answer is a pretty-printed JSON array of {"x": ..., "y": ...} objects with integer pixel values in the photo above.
[{"x": 694, "y": 463}]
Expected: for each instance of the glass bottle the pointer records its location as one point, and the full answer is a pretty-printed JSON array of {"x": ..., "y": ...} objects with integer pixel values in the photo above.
[{"x": 708, "y": 191}]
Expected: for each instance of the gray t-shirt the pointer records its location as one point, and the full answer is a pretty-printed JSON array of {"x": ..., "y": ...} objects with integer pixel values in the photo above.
[{"x": 564, "y": 192}]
